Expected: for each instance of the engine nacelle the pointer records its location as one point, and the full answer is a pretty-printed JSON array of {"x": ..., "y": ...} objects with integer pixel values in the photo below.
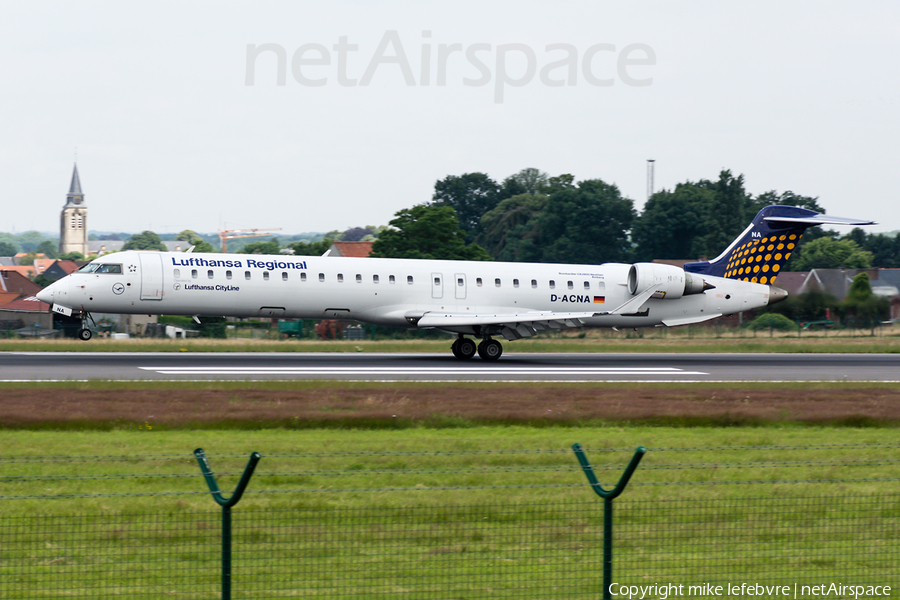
[{"x": 670, "y": 282}]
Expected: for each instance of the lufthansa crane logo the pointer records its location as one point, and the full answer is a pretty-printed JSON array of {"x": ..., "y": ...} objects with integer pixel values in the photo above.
[{"x": 118, "y": 289}]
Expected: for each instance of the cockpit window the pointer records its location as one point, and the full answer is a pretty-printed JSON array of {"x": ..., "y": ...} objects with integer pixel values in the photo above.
[
  {"x": 108, "y": 268},
  {"x": 89, "y": 268}
]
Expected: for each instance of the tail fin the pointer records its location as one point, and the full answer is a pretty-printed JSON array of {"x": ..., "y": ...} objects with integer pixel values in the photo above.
[{"x": 759, "y": 253}]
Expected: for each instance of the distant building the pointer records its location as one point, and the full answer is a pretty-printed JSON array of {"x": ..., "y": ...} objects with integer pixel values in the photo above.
[
  {"x": 73, "y": 232},
  {"x": 354, "y": 249},
  {"x": 61, "y": 268}
]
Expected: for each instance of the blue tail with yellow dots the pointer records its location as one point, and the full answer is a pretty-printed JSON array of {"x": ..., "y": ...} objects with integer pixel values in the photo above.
[{"x": 760, "y": 251}]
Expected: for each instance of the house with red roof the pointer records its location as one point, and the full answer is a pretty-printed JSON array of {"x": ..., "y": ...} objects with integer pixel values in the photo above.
[{"x": 350, "y": 249}]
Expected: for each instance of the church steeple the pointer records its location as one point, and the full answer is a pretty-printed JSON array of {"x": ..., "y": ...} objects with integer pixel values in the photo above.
[
  {"x": 73, "y": 220},
  {"x": 75, "y": 195}
]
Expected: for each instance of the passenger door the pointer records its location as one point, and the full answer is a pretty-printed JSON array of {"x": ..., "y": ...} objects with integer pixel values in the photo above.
[{"x": 151, "y": 276}]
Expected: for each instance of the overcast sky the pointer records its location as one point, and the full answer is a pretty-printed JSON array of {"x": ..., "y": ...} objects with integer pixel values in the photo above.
[{"x": 377, "y": 101}]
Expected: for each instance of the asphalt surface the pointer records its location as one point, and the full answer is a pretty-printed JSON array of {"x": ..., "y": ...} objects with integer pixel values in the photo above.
[{"x": 82, "y": 366}]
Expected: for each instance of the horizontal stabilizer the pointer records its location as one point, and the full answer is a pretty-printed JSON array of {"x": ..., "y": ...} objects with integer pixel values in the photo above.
[{"x": 820, "y": 220}]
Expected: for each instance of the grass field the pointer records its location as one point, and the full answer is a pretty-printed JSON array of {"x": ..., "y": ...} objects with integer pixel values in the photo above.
[
  {"x": 464, "y": 513},
  {"x": 139, "y": 461}
]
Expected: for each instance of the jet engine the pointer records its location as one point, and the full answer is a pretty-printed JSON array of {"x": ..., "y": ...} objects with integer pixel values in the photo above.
[{"x": 670, "y": 282}]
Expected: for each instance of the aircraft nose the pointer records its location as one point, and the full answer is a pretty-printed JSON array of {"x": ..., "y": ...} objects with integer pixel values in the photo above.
[
  {"x": 776, "y": 294},
  {"x": 52, "y": 293}
]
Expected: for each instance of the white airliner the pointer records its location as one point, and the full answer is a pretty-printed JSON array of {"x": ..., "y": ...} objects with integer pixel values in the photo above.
[{"x": 468, "y": 298}]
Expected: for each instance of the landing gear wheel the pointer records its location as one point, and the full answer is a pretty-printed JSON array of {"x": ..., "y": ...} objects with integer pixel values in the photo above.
[
  {"x": 465, "y": 349},
  {"x": 84, "y": 334},
  {"x": 490, "y": 350}
]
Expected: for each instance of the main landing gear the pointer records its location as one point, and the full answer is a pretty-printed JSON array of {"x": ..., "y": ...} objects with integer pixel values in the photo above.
[{"x": 464, "y": 349}]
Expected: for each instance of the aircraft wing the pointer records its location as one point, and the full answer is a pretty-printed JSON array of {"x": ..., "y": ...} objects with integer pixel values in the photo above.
[{"x": 513, "y": 326}]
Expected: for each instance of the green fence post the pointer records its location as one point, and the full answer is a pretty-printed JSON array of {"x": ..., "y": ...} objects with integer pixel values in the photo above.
[
  {"x": 226, "y": 510},
  {"x": 608, "y": 496}
]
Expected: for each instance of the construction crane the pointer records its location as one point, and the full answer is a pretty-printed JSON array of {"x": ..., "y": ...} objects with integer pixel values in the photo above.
[{"x": 230, "y": 234}]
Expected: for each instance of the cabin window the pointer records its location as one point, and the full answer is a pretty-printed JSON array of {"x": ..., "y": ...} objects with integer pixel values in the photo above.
[
  {"x": 534, "y": 283},
  {"x": 321, "y": 277},
  {"x": 571, "y": 285},
  {"x": 460, "y": 282},
  {"x": 478, "y": 282},
  {"x": 302, "y": 276},
  {"x": 587, "y": 285},
  {"x": 437, "y": 281},
  {"x": 515, "y": 283},
  {"x": 194, "y": 273},
  {"x": 374, "y": 278},
  {"x": 552, "y": 285},
  {"x": 247, "y": 275},
  {"x": 409, "y": 279},
  {"x": 340, "y": 278},
  {"x": 210, "y": 274},
  {"x": 266, "y": 275},
  {"x": 392, "y": 279},
  {"x": 358, "y": 278},
  {"x": 601, "y": 286},
  {"x": 497, "y": 282},
  {"x": 176, "y": 273},
  {"x": 227, "y": 274},
  {"x": 284, "y": 276}
]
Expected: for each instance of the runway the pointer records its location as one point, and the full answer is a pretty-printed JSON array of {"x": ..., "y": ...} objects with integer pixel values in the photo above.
[{"x": 512, "y": 367}]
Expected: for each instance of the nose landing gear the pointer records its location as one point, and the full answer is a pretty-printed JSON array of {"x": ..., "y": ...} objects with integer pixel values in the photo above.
[{"x": 84, "y": 334}]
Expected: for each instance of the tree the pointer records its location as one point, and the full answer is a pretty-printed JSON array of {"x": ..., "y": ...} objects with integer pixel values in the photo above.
[
  {"x": 71, "y": 256},
  {"x": 429, "y": 232},
  {"x": 813, "y": 305},
  {"x": 146, "y": 240},
  {"x": 726, "y": 216},
  {"x": 885, "y": 250},
  {"x": 8, "y": 249},
  {"x": 828, "y": 253},
  {"x": 531, "y": 180},
  {"x": 788, "y": 198},
  {"x": 30, "y": 240},
  {"x": 311, "y": 248},
  {"x": 355, "y": 234},
  {"x": 587, "y": 224},
  {"x": 560, "y": 182},
  {"x": 194, "y": 239},
  {"x": 48, "y": 248},
  {"x": 470, "y": 195},
  {"x": 504, "y": 227},
  {"x": 861, "y": 307},
  {"x": 268, "y": 247},
  {"x": 670, "y": 223}
]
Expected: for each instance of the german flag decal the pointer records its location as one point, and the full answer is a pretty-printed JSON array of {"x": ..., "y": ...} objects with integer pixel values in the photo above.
[{"x": 599, "y": 299}]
